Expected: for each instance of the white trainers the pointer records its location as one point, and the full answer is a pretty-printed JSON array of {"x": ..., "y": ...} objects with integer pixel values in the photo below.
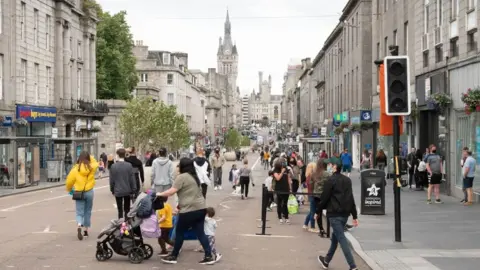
[
  {"x": 215, "y": 188},
  {"x": 287, "y": 221},
  {"x": 281, "y": 221},
  {"x": 218, "y": 256},
  {"x": 220, "y": 187}
]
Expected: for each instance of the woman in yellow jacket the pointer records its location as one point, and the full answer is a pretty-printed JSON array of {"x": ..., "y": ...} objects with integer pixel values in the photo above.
[{"x": 82, "y": 179}]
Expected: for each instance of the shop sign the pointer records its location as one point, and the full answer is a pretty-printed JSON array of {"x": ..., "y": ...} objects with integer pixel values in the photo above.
[
  {"x": 355, "y": 120},
  {"x": 366, "y": 115},
  {"x": 323, "y": 131},
  {"x": 337, "y": 118},
  {"x": 7, "y": 121},
  {"x": 344, "y": 116},
  {"x": 37, "y": 114},
  {"x": 315, "y": 132}
]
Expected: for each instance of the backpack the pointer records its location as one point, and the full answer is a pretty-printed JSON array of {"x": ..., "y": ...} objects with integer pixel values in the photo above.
[
  {"x": 202, "y": 173},
  {"x": 145, "y": 208},
  {"x": 422, "y": 166},
  {"x": 149, "y": 227}
]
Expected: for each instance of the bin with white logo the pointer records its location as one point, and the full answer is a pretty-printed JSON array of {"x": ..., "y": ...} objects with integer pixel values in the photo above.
[{"x": 373, "y": 192}]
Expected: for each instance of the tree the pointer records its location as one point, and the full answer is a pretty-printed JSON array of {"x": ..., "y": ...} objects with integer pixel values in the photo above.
[
  {"x": 148, "y": 124},
  {"x": 232, "y": 139},
  {"x": 245, "y": 141},
  {"x": 116, "y": 73}
]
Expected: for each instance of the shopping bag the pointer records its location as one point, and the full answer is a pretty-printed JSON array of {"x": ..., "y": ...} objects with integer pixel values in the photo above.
[{"x": 292, "y": 205}]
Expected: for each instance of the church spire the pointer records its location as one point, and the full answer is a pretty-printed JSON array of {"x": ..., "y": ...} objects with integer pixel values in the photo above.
[{"x": 228, "y": 27}]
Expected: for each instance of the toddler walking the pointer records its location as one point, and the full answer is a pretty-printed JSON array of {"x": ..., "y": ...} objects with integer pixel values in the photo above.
[
  {"x": 268, "y": 185},
  {"x": 210, "y": 228},
  {"x": 165, "y": 221}
]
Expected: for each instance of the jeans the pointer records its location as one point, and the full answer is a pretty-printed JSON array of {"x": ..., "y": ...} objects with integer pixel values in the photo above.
[
  {"x": 123, "y": 205},
  {"x": 217, "y": 176},
  {"x": 282, "y": 207},
  {"x": 83, "y": 209},
  {"x": 411, "y": 175},
  {"x": 338, "y": 236},
  {"x": 311, "y": 215},
  {"x": 244, "y": 181},
  {"x": 196, "y": 221},
  {"x": 266, "y": 166}
]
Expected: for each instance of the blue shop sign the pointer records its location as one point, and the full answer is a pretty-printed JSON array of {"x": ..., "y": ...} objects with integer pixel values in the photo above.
[
  {"x": 37, "y": 114},
  {"x": 315, "y": 132},
  {"x": 7, "y": 121},
  {"x": 355, "y": 120},
  {"x": 366, "y": 115}
]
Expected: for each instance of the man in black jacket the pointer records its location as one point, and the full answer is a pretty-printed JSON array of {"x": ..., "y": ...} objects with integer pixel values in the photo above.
[
  {"x": 337, "y": 199},
  {"x": 122, "y": 183},
  {"x": 137, "y": 168}
]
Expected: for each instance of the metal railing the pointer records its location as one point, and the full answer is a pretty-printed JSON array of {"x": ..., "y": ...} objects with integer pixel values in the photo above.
[{"x": 80, "y": 105}]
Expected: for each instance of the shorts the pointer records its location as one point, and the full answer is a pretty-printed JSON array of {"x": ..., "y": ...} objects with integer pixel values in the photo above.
[
  {"x": 468, "y": 182},
  {"x": 436, "y": 179},
  {"x": 347, "y": 168}
]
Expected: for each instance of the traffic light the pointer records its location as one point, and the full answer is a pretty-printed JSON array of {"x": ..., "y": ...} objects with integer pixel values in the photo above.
[{"x": 397, "y": 80}]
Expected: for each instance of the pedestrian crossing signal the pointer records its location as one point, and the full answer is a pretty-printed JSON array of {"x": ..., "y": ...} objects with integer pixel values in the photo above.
[{"x": 397, "y": 90}]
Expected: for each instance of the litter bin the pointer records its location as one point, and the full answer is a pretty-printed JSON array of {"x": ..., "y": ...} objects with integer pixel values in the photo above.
[{"x": 373, "y": 192}]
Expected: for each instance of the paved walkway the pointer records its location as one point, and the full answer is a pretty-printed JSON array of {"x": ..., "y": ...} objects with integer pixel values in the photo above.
[{"x": 436, "y": 236}]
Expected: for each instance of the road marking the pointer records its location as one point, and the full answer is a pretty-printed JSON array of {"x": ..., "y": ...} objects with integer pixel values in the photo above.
[
  {"x": 47, "y": 229},
  {"x": 115, "y": 206},
  {"x": 267, "y": 236},
  {"x": 224, "y": 206},
  {"x": 255, "y": 163},
  {"x": 41, "y": 201}
]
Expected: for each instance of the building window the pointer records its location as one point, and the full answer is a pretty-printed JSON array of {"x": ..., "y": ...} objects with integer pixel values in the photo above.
[
  {"x": 1, "y": 75},
  {"x": 426, "y": 18},
  {"x": 385, "y": 5},
  {"x": 169, "y": 79},
  {"x": 79, "y": 50},
  {"x": 405, "y": 37},
  {"x": 48, "y": 27},
  {"x": 438, "y": 54},
  {"x": 23, "y": 74},
  {"x": 471, "y": 4},
  {"x": 385, "y": 47},
  {"x": 454, "y": 47},
  {"x": 23, "y": 18},
  {"x": 202, "y": 103},
  {"x": 395, "y": 37},
  {"x": 79, "y": 83},
  {"x": 453, "y": 10},
  {"x": 144, "y": 77},
  {"x": 472, "y": 41},
  {"x": 425, "y": 59},
  {"x": 378, "y": 50},
  {"x": 166, "y": 58},
  {"x": 35, "y": 26},
  {"x": 48, "y": 83},
  {"x": 439, "y": 10},
  {"x": 170, "y": 99},
  {"x": 36, "y": 77}
]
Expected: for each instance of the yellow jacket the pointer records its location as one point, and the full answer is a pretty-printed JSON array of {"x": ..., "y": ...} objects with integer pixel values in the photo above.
[{"x": 82, "y": 179}]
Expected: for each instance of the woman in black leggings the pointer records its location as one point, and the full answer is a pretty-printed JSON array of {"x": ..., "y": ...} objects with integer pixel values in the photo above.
[
  {"x": 283, "y": 186},
  {"x": 245, "y": 175}
]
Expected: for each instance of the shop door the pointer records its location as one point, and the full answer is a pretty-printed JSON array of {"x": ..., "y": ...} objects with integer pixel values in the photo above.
[
  {"x": 463, "y": 139},
  {"x": 428, "y": 129},
  {"x": 356, "y": 150}
]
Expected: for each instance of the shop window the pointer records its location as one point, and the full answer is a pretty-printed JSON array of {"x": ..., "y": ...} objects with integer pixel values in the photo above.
[
  {"x": 439, "y": 54},
  {"x": 454, "y": 47}
]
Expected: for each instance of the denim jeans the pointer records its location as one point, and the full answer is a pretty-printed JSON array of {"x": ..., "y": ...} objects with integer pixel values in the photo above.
[
  {"x": 83, "y": 209},
  {"x": 311, "y": 215},
  {"x": 196, "y": 221},
  {"x": 338, "y": 236}
]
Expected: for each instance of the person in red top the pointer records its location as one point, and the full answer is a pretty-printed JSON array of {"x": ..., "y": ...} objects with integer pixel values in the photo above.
[
  {"x": 310, "y": 216},
  {"x": 323, "y": 154}
]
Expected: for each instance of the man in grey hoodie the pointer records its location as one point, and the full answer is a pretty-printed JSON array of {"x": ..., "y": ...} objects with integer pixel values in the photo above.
[{"x": 162, "y": 172}]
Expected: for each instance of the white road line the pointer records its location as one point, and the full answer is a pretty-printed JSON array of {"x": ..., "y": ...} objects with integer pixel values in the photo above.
[
  {"x": 224, "y": 206},
  {"x": 255, "y": 163},
  {"x": 41, "y": 201},
  {"x": 268, "y": 236},
  {"x": 115, "y": 205},
  {"x": 47, "y": 229}
]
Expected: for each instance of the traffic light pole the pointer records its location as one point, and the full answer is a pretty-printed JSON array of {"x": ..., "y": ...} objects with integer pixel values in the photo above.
[{"x": 397, "y": 183}]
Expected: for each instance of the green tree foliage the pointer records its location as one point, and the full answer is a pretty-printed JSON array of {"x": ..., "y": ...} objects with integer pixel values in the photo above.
[
  {"x": 147, "y": 124},
  {"x": 233, "y": 139},
  {"x": 116, "y": 73},
  {"x": 245, "y": 141}
]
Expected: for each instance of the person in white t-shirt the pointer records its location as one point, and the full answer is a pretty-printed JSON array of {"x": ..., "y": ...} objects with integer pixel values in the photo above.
[
  {"x": 268, "y": 185},
  {"x": 210, "y": 227}
]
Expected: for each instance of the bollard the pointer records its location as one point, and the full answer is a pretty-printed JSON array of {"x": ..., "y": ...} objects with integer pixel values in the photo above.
[{"x": 264, "y": 210}]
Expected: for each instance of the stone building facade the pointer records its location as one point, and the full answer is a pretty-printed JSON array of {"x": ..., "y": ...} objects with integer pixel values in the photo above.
[
  {"x": 165, "y": 76},
  {"x": 288, "y": 106},
  {"x": 263, "y": 104}
]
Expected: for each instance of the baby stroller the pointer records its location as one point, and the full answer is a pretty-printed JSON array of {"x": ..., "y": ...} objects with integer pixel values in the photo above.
[{"x": 124, "y": 237}]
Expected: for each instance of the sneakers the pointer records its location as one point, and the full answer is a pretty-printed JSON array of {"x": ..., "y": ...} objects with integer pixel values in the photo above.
[
  {"x": 79, "y": 234},
  {"x": 207, "y": 261},
  {"x": 429, "y": 201},
  {"x": 215, "y": 188},
  {"x": 281, "y": 221},
  {"x": 438, "y": 201},
  {"x": 323, "y": 262},
  {"x": 220, "y": 188},
  {"x": 305, "y": 227},
  {"x": 85, "y": 234},
  {"x": 218, "y": 256},
  {"x": 313, "y": 230},
  {"x": 287, "y": 221},
  {"x": 170, "y": 259},
  {"x": 163, "y": 253},
  {"x": 467, "y": 203}
]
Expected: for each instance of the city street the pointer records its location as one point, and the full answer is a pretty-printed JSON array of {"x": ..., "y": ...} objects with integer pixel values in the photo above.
[{"x": 39, "y": 233}]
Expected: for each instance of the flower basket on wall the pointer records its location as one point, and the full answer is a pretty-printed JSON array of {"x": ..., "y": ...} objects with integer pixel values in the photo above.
[
  {"x": 439, "y": 102},
  {"x": 338, "y": 130},
  {"x": 95, "y": 129},
  {"x": 20, "y": 122},
  {"x": 344, "y": 125},
  {"x": 471, "y": 99},
  {"x": 355, "y": 127},
  {"x": 366, "y": 125}
]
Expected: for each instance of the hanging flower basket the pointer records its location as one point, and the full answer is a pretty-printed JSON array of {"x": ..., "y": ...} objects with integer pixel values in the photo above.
[
  {"x": 338, "y": 130},
  {"x": 414, "y": 113},
  {"x": 95, "y": 129},
  {"x": 366, "y": 125},
  {"x": 471, "y": 99},
  {"x": 344, "y": 125},
  {"x": 355, "y": 127},
  {"x": 439, "y": 102},
  {"x": 20, "y": 122}
]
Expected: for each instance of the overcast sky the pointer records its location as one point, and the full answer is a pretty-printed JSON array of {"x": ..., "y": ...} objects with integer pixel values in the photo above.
[{"x": 264, "y": 44}]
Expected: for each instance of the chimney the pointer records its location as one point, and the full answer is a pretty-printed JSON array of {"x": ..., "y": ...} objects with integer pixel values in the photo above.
[
  {"x": 269, "y": 80},
  {"x": 303, "y": 63},
  {"x": 308, "y": 62}
]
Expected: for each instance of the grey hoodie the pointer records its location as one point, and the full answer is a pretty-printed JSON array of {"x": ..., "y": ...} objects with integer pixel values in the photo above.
[{"x": 162, "y": 171}]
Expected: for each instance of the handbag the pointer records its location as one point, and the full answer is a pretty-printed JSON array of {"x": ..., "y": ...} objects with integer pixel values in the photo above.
[{"x": 79, "y": 195}]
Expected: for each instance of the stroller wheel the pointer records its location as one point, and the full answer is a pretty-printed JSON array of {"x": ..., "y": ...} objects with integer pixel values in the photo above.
[
  {"x": 108, "y": 253},
  {"x": 148, "y": 251},
  {"x": 101, "y": 255},
  {"x": 136, "y": 255}
]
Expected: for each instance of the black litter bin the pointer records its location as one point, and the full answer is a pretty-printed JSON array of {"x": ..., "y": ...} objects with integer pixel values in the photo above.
[{"x": 373, "y": 192}]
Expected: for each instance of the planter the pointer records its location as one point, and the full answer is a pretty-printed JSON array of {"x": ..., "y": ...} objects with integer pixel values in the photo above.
[
  {"x": 230, "y": 156},
  {"x": 471, "y": 99}
]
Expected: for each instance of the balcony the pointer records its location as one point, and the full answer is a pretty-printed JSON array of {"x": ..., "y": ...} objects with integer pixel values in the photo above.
[
  {"x": 438, "y": 35},
  {"x": 472, "y": 20},
  {"x": 425, "y": 42},
  {"x": 80, "y": 107}
]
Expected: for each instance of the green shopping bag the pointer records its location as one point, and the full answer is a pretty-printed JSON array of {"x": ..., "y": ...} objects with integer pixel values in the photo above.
[{"x": 292, "y": 205}]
